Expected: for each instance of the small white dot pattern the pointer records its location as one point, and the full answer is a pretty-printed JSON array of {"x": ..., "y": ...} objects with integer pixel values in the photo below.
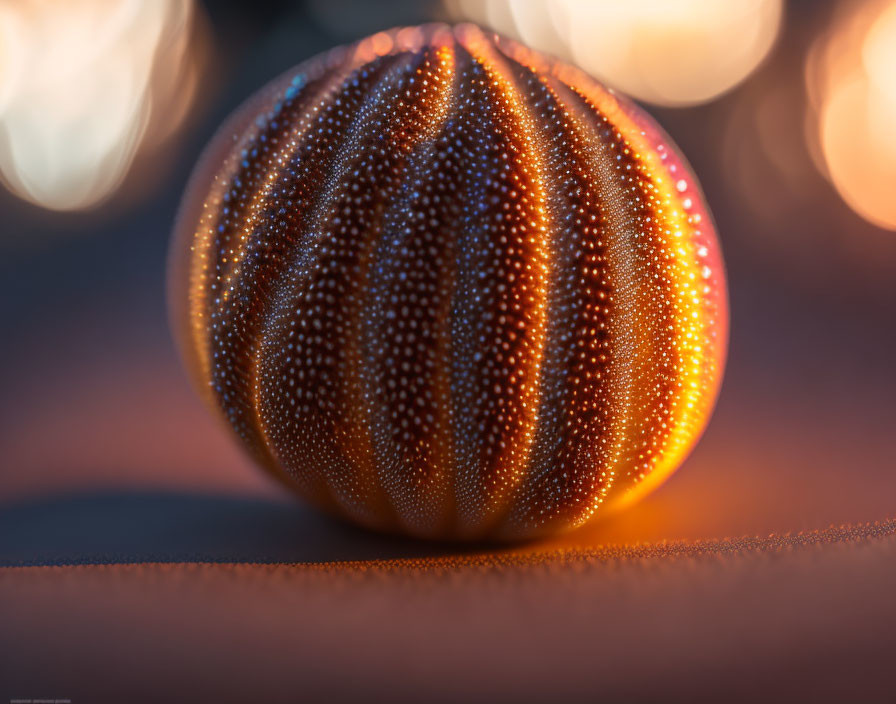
[{"x": 444, "y": 286}]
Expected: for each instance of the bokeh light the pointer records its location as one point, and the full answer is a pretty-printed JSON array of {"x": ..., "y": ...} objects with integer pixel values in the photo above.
[
  {"x": 851, "y": 78},
  {"x": 85, "y": 87},
  {"x": 666, "y": 52}
]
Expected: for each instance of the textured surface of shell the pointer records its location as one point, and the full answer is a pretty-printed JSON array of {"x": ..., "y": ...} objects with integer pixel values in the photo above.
[{"x": 442, "y": 285}]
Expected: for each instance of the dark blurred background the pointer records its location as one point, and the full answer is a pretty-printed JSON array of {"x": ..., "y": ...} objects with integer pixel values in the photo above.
[{"x": 786, "y": 112}]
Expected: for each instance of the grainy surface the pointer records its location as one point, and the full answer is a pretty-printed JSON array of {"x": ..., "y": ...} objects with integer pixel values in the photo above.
[{"x": 805, "y": 617}]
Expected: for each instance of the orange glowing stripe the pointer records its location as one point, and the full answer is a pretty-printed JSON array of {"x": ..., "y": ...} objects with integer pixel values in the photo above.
[
  {"x": 691, "y": 407},
  {"x": 443, "y": 78},
  {"x": 611, "y": 454},
  {"x": 482, "y": 51}
]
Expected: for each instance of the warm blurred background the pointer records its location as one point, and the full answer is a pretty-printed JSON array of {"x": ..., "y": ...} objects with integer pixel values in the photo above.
[{"x": 785, "y": 110}]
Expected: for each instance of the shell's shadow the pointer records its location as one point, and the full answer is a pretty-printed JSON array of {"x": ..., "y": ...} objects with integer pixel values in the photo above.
[{"x": 165, "y": 526}]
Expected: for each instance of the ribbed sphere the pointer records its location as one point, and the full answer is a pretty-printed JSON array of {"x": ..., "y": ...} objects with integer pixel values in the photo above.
[{"x": 442, "y": 285}]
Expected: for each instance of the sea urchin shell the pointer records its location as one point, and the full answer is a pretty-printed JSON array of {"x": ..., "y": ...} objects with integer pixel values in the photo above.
[{"x": 442, "y": 285}]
